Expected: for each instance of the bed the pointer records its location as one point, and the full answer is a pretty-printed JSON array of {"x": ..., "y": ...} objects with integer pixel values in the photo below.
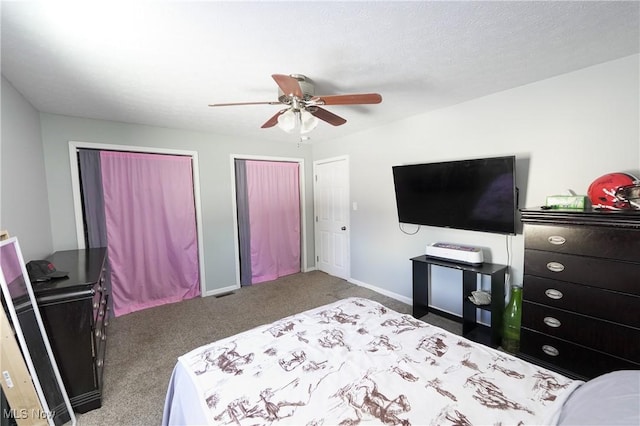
[{"x": 356, "y": 361}]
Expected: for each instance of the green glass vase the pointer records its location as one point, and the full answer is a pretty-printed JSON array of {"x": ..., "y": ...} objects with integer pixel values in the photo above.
[{"x": 511, "y": 321}]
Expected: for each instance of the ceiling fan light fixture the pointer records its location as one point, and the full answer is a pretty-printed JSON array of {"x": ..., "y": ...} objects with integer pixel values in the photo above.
[
  {"x": 287, "y": 121},
  {"x": 308, "y": 121},
  {"x": 297, "y": 120},
  {"x": 303, "y": 108}
]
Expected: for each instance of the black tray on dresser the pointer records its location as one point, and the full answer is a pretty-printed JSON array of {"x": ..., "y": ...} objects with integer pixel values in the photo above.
[{"x": 581, "y": 290}]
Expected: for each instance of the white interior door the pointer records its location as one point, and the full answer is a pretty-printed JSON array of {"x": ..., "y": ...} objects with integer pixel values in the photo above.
[{"x": 331, "y": 206}]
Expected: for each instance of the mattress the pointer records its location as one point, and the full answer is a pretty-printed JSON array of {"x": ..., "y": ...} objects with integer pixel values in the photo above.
[{"x": 356, "y": 361}]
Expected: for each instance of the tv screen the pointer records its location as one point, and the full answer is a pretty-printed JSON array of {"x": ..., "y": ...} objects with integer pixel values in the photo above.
[{"x": 477, "y": 194}]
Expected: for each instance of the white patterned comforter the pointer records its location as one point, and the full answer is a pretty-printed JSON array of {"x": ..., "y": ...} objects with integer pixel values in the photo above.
[{"x": 355, "y": 361}]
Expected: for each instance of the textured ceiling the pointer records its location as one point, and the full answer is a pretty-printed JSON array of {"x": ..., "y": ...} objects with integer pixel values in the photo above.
[{"x": 162, "y": 62}]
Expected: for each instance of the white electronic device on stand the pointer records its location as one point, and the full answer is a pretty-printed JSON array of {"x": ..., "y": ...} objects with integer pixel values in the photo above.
[{"x": 455, "y": 253}]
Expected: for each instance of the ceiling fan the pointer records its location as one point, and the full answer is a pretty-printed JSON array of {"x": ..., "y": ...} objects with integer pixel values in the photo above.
[{"x": 304, "y": 108}]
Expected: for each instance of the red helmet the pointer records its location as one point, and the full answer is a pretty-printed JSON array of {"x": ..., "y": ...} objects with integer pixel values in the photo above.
[{"x": 615, "y": 191}]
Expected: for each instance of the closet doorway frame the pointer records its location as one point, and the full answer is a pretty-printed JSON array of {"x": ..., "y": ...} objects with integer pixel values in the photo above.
[
  {"x": 74, "y": 146},
  {"x": 234, "y": 206}
]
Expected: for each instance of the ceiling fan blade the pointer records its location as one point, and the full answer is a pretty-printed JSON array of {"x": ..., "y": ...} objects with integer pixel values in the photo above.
[
  {"x": 363, "y": 98},
  {"x": 246, "y": 103},
  {"x": 273, "y": 120},
  {"x": 288, "y": 85},
  {"x": 327, "y": 116}
]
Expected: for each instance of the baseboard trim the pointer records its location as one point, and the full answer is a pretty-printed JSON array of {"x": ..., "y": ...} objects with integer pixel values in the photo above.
[{"x": 396, "y": 296}]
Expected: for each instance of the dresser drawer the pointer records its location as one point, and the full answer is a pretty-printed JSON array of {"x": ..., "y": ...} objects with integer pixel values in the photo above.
[
  {"x": 604, "y": 242},
  {"x": 95, "y": 302},
  {"x": 604, "y": 336},
  {"x": 100, "y": 298},
  {"x": 592, "y": 301},
  {"x": 99, "y": 338},
  {"x": 609, "y": 274},
  {"x": 575, "y": 358},
  {"x": 101, "y": 350}
]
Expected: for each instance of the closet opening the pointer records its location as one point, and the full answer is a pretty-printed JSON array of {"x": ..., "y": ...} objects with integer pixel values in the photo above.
[{"x": 268, "y": 201}]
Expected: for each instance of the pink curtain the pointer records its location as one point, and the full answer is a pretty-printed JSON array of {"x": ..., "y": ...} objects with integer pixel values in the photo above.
[
  {"x": 273, "y": 192},
  {"x": 9, "y": 262},
  {"x": 151, "y": 229}
]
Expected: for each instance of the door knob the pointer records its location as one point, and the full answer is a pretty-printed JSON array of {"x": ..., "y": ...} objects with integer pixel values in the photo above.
[{"x": 344, "y": 228}]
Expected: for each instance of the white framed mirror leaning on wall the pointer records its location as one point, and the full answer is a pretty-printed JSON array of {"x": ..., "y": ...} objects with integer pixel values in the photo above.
[{"x": 21, "y": 309}]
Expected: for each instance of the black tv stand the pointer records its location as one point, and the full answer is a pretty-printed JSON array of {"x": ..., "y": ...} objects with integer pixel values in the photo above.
[{"x": 490, "y": 336}]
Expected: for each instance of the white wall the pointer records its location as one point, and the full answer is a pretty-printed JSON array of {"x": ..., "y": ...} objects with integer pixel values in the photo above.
[
  {"x": 565, "y": 132},
  {"x": 215, "y": 180},
  {"x": 24, "y": 201}
]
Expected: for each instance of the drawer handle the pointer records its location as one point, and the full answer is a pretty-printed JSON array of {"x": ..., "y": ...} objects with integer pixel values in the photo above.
[
  {"x": 554, "y": 294},
  {"x": 550, "y": 350},
  {"x": 557, "y": 240},
  {"x": 555, "y": 266},
  {"x": 552, "y": 322}
]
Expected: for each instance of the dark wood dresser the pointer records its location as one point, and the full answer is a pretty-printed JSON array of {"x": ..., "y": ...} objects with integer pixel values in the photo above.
[
  {"x": 581, "y": 291},
  {"x": 75, "y": 314}
]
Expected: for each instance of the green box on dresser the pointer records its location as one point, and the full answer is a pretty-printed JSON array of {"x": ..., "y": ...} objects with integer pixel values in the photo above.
[{"x": 581, "y": 290}]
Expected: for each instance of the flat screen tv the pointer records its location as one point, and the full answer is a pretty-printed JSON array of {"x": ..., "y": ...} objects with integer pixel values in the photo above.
[{"x": 477, "y": 194}]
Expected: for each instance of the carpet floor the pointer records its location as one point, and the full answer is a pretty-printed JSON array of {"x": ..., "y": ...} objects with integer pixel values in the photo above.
[{"x": 143, "y": 347}]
